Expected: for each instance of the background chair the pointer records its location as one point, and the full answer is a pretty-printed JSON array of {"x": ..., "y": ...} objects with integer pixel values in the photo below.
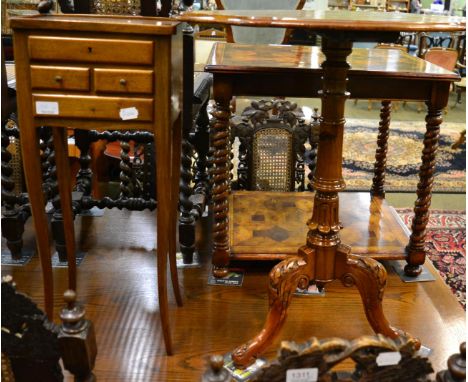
[
  {"x": 249, "y": 35},
  {"x": 446, "y": 58}
]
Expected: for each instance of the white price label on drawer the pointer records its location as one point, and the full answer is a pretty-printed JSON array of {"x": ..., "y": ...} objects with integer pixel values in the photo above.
[
  {"x": 128, "y": 113},
  {"x": 302, "y": 375},
  {"x": 388, "y": 358},
  {"x": 45, "y": 107}
]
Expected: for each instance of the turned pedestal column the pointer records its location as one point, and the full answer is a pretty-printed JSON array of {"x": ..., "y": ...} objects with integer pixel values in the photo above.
[{"x": 324, "y": 258}]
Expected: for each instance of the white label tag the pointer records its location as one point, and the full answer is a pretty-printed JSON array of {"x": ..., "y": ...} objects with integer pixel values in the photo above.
[
  {"x": 388, "y": 358},
  {"x": 45, "y": 107},
  {"x": 129, "y": 113},
  {"x": 302, "y": 375}
]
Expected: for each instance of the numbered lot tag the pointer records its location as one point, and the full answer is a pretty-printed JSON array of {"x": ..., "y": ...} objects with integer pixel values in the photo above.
[
  {"x": 389, "y": 358},
  {"x": 46, "y": 107},
  {"x": 302, "y": 375},
  {"x": 128, "y": 113}
]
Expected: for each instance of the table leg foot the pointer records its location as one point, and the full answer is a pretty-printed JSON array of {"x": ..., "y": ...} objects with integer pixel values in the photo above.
[
  {"x": 285, "y": 277},
  {"x": 220, "y": 272},
  {"x": 413, "y": 270},
  {"x": 370, "y": 278}
]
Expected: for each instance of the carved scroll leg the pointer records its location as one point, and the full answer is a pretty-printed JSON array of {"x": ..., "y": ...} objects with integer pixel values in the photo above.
[
  {"x": 415, "y": 251},
  {"x": 381, "y": 152},
  {"x": 370, "y": 278},
  {"x": 220, "y": 171},
  {"x": 175, "y": 178},
  {"x": 285, "y": 277}
]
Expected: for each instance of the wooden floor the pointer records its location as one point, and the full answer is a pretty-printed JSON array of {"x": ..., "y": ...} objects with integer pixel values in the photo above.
[{"x": 117, "y": 282}]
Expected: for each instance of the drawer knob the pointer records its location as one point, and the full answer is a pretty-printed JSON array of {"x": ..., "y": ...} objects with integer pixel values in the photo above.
[
  {"x": 58, "y": 79},
  {"x": 123, "y": 81}
]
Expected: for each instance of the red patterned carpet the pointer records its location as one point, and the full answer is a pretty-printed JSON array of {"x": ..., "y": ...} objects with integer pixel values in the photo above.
[{"x": 446, "y": 244}]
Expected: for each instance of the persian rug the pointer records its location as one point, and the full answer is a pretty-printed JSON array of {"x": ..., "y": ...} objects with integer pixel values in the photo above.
[
  {"x": 446, "y": 246},
  {"x": 403, "y": 158}
]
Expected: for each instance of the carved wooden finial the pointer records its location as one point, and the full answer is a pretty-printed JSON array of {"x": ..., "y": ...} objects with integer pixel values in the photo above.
[
  {"x": 45, "y": 6},
  {"x": 77, "y": 339},
  {"x": 216, "y": 373},
  {"x": 456, "y": 367},
  {"x": 457, "y": 364},
  {"x": 72, "y": 316}
]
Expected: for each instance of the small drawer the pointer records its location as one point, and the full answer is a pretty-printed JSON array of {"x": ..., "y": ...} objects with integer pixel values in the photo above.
[
  {"x": 59, "y": 78},
  {"x": 123, "y": 81},
  {"x": 92, "y": 107},
  {"x": 111, "y": 51}
]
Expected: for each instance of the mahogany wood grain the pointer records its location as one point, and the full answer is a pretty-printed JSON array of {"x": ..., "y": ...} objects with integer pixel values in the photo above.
[
  {"x": 296, "y": 71},
  {"x": 244, "y": 58},
  {"x": 117, "y": 285},
  {"x": 329, "y": 20}
]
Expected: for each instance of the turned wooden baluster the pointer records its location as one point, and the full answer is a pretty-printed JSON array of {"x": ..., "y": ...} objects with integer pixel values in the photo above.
[
  {"x": 378, "y": 181},
  {"x": 126, "y": 173},
  {"x": 324, "y": 258},
  {"x": 221, "y": 174},
  {"x": 12, "y": 221},
  {"x": 415, "y": 251},
  {"x": 84, "y": 176},
  {"x": 77, "y": 340}
]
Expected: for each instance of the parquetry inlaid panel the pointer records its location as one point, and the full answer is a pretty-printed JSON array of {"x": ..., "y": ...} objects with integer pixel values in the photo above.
[{"x": 273, "y": 223}]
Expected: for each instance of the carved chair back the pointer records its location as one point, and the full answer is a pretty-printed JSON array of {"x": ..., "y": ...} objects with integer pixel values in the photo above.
[
  {"x": 271, "y": 151},
  {"x": 113, "y": 7},
  {"x": 428, "y": 41},
  {"x": 248, "y": 35}
]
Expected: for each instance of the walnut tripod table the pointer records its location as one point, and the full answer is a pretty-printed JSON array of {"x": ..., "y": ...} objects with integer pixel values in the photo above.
[{"x": 324, "y": 258}]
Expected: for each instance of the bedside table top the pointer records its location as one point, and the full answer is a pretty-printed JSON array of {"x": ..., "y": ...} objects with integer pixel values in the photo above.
[{"x": 101, "y": 23}]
